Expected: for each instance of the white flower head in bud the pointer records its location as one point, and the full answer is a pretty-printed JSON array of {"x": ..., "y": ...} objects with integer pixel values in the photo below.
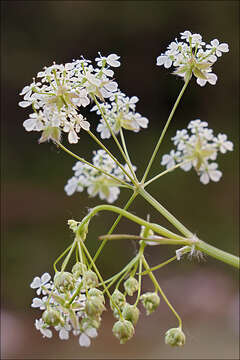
[
  {"x": 123, "y": 330},
  {"x": 175, "y": 337}
]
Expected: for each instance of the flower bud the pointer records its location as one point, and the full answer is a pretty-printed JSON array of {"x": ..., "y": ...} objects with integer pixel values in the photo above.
[
  {"x": 150, "y": 301},
  {"x": 117, "y": 298},
  {"x": 131, "y": 313},
  {"x": 52, "y": 317},
  {"x": 98, "y": 293},
  {"x": 131, "y": 285},
  {"x": 78, "y": 269},
  {"x": 123, "y": 330},
  {"x": 175, "y": 337},
  {"x": 64, "y": 281},
  {"x": 91, "y": 279},
  {"x": 94, "y": 306}
]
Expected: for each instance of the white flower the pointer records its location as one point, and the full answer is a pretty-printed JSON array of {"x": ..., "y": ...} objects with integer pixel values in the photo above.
[
  {"x": 210, "y": 172},
  {"x": 42, "y": 327},
  {"x": 210, "y": 77},
  {"x": 223, "y": 144},
  {"x": 38, "y": 282},
  {"x": 170, "y": 159},
  {"x": 63, "y": 331},
  {"x": 219, "y": 48},
  {"x": 39, "y": 303},
  {"x": 164, "y": 60},
  {"x": 85, "y": 338}
]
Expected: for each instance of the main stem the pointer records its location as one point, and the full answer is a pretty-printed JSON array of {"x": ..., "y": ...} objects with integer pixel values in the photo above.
[{"x": 164, "y": 131}]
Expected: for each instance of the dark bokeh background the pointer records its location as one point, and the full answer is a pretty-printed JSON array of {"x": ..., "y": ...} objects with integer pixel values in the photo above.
[{"x": 35, "y": 208}]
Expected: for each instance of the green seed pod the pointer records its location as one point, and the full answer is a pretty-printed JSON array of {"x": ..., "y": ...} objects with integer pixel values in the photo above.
[
  {"x": 91, "y": 279},
  {"x": 131, "y": 313},
  {"x": 175, "y": 337},
  {"x": 64, "y": 281},
  {"x": 52, "y": 317},
  {"x": 118, "y": 298},
  {"x": 150, "y": 301},
  {"x": 94, "y": 307},
  {"x": 78, "y": 269},
  {"x": 98, "y": 293},
  {"x": 131, "y": 285},
  {"x": 123, "y": 330}
]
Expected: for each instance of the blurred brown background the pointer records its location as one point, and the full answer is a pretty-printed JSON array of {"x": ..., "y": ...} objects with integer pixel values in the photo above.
[{"x": 35, "y": 208}]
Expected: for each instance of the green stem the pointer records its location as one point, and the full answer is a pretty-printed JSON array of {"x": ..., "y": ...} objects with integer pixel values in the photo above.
[
  {"x": 140, "y": 272},
  {"x": 110, "y": 154},
  {"x": 127, "y": 155},
  {"x": 178, "y": 225},
  {"x": 67, "y": 258},
  {"x": 112, "y": 133},
  {"x": 159, "y": 266},
  {"x": 157, "y": 239},
  {"x": 155, "y": 227},
  {"x": 164, "y": 131},
  {"x": 93, "y": 166},
  {"x": 156, "y": 284},
  {"x": 165, "y": 172},
  {"x": 60, "y": 257},
  {"x": 218, "y": 254},
  {"x": 131, "y": 199}
]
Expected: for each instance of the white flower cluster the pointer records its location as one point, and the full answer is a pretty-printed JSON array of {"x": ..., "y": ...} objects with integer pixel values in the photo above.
[
  {"x": 120, "y": 113},
  {"x": 63, "y": 89},
  {"x": 96, "y": 182},
  {"x": 197, "y": 146},
  {"x": 193, "y": 56},
  {"x": 80, "y": 315}
]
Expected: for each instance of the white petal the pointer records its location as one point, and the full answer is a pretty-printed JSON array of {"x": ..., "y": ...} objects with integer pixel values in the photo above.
[
  {"x": 215, "y": 175},
  {"x": 45, "y": 278},
  {"x": 84, "y": 340},
  {"x": 63, "y": 334},
  {"x": 29, "y": 124},
  {"x": 24, "y": 103},
  {"x": 204, "y": 178},
  {"x": 36, "y": 282},
  {"x": 37, "y": 303},
  {"x": 92, "y": 332},
  {"x": 223, "y": 47},
  {"x": 72, "y": 137}
]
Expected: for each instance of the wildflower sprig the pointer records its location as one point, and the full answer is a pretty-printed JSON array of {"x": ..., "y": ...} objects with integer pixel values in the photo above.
[{"x": 76, "y": 298}]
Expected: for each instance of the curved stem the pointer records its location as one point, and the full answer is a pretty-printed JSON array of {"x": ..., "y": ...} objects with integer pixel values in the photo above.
[
  {"x": 60, "y": 257},
  {"x": 178, "y": 225},
  {"x": 159, "y": 266},
  {"x": 93, "y": 166},
  {"x": 164, "y": 131},
  {"x": 155, "y": 227},
  {"x": 131, "y": 199},
  {"x": 156, "y": 284}
]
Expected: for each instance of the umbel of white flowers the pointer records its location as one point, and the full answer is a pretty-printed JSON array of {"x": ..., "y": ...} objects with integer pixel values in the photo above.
[
  {"x": 61, "y": 90},
  {"x": 193, "y": 56},
  {"x": 197, "y": 147},
  {"x": 95, "y": 181}
]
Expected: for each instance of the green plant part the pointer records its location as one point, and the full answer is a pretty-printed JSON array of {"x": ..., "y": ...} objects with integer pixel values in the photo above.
[
  {"x": 175, "y": 337},
  {"x": 123, "y": 330}
]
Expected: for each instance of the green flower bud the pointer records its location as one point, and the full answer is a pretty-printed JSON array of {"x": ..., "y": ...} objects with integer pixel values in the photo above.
[
  {"x": 64, "y": 281},
  {"x": 91, "y": 322},
  {"x": 175, "y": 337},
  {"x": 94, "y": 306},
  {"x": 91, "y": 279},
  {"x": 52, "y": 317},
  {"x": 131, "y": 313},
  {"x": 131, "y": 285},
  {"x": 78, "y": 269},
  {"x": 117, "y": 298},
  {"x": 98, "y": 293},
  {"x": 123, "y": 330},
  {"x": 150, "y": 301}
]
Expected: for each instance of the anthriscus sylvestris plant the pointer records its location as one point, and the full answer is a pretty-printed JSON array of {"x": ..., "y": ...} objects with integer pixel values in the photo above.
[{"x": 73, "y": 300}]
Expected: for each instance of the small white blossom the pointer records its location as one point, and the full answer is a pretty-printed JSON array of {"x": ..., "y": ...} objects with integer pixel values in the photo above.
[
  {"x": 38, "y": 282},
  {"x": 41, "y": 326},
  {"x": 210, "y": 172}
]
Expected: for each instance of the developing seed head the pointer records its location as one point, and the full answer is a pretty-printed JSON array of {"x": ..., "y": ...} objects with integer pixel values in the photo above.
[
  {"x": 117, "y": 298},
  {"x": 150, "y": 301},
  {"x": 91, "y": 279},
  {"x": 131, "y": 285},
  {"x": 98, "y": 293},
  {"x": 175, "y": 337},
  {"x": 52, "y": 317},
  {"x": 78, "y": 269},
  {"x": 131, "y": 313},
  {"x": 123, "y": 330},
  {"x": 64, "y": 281},
  {"x": 94, "y": 307}
]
